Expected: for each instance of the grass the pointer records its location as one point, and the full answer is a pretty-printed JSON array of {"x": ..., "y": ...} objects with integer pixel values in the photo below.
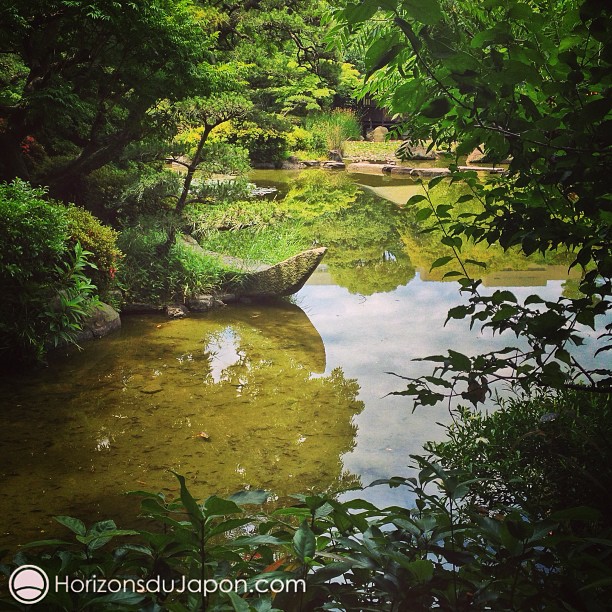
[
  {"x": 268, "y": 245},
  {"x": 371, "y": 150}
]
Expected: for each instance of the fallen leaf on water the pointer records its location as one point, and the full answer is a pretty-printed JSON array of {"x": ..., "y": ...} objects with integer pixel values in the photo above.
[{"x": 203, "y": 435}]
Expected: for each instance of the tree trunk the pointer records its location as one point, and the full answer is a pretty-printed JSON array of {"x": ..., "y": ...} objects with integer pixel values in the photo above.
[{"x": 182, "y": 201}]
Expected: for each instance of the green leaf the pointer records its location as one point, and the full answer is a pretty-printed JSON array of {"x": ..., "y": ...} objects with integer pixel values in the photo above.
[
  {"x": 193, "y": 509},
  {"x": 475, "y": 262},
  {"x": 409, "y": 33},
  {"x": 459, "y": 361},
  {"x": 304, "y": 542},
  {"x": 238, "y": 604},
  {"x": 254, "y": 496},
  {"x": 421, "y": 569},
  {"x": 75, "y": 525},
  {"x": 360, "y": 12},
  {"x": 217, "y": 506},
  {"x": 415, "y": 199},
  {"x": 435, "y": 181},
  {"x": 423, "y": 214},
  {"x": 459, "y": 312},
  {"x": 226, "y": 526},
  {"x": 441, "y": 261},
  {"x": 380, "y": 61},
  {"x": 255, "y": 540},
  {"x": 437, "y": 108},
  {"x": 425, "y": 11},
  {"x": 123, "y": 598}
]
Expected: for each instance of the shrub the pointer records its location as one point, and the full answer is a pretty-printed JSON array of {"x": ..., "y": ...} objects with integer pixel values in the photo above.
[
  {"x": 300, "y": 139},
  {"x": 33, "y": 233},
  {"x": 101, "y": 241},
  {"x": 265, "y": 143},
  {"x": 547, "y": 453},
  {"x": 45, "y": 292},
  {"x": 350, "y": 556},
  {"x": 119, "y": 194}
]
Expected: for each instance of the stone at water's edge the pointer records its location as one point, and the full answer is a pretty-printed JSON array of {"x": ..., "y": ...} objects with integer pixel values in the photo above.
[
  {"x": 261, "y": 280},
  {"x": 103, "y": 320},
  {"x": 284, "y": 278},
  {"x": 203, "y": 303},
  {"x": 417, "y": 172}
]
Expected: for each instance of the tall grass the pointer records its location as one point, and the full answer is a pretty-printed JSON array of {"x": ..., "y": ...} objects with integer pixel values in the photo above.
[
  {"x": 332, "y": 129},
  {"x": 268, "y": 245}
]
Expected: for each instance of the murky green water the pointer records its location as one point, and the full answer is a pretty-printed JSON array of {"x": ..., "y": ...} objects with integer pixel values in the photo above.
[{"x": 287, "y": 397}]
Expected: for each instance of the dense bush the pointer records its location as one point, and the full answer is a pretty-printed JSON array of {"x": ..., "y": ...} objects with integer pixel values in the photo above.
[
  {"x": 301, "y": 139},
  {"x": 45, "y": 292},
  {"x": 350, "y": 556},
  {"x": 265, "y": 142},
  {"x": 98, "y": 239},
  {"x": 119, "y": 194},
  {"x": 546, "y": 453}
]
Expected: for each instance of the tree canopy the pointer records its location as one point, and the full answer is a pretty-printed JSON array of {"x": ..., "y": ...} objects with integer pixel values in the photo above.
[{"x": 82, "y": 80}]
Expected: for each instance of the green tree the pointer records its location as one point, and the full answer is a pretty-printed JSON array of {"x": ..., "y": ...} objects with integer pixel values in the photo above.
[
  {"x": 536, "y": 90},
  {"x": 82, "y": 80}
]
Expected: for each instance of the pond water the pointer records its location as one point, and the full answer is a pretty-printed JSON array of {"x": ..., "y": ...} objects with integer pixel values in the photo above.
[{"x": 291, "y": 397}]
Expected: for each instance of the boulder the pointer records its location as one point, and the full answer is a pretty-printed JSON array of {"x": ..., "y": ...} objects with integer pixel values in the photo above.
[
  {"x": 378, "y": 134},
  {"x": 333, "y": 165},
  {"x": 101, "y": 321},
  {"x": 176, "y": 311},
  {"x": 202, "y": 303},
  {"x": 141, "y": 308}
]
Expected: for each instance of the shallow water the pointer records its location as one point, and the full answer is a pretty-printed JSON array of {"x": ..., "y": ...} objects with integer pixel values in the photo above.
[{"x": 289, "y": 397}]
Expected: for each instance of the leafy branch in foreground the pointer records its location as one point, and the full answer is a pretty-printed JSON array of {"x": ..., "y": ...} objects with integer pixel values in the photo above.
[
  {"x": 441, "y": 554},
  {"x": 505, "y": 79}
]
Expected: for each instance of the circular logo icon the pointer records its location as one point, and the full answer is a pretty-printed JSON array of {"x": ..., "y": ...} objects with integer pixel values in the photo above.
[{"x": 28, "y": 584}]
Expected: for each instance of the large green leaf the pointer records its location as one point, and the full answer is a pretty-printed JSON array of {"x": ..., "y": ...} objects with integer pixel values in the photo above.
[
  {"x": 304, "y": 542},
  {"x": 425, "y": 11},
  {"x": 437, "y": 108}
]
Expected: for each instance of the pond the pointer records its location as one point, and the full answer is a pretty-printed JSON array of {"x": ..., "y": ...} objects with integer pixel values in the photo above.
[{"x": 288, "y": 396}]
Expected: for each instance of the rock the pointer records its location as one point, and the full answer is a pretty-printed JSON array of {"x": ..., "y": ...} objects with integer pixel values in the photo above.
[
  {"x": 334, "y": 155},
  {"x": 103, "y": 320},
  {"x": 312, "y": 163},
  {"x": 260, "y": 165},
  {"x": 258, "y": 279},
  {"x": 227, "y": 298},
  {"x": 480, "y": 156},
  {"x": 176, "y": 312},
  {"x": 292, "y": 164},
  {"x": 421, "y": 156},
  {"x": 333, "y": 165},
  {"x": 151, "y": 388},
  {"x": 141, "y": 308},
  {"x": 284, "y": 278},
  {"x": 378, "y": 134},
  {"x": 201, "y": 303},
  {"x": 430, "y": 172}
]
